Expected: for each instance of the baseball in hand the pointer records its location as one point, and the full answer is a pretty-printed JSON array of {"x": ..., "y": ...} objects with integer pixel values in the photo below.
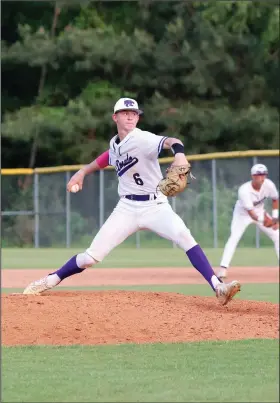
[{"x": 75, "y": 188}]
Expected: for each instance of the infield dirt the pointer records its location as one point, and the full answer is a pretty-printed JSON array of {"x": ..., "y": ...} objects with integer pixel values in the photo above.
[{"x": 113, "y": 317}]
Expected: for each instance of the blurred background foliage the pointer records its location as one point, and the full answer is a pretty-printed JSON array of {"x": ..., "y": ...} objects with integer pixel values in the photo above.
[{"x": 206, "y": 72}]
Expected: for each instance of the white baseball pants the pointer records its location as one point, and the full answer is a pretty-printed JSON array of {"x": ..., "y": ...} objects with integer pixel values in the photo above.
[
  {"x": 130, "y": 216},
  {"x": 238, "y": 226}
]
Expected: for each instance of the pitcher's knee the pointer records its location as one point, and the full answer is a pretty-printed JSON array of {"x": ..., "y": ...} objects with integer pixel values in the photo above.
[
  {"x": 185, "y": 240},
  {"x": 98, "y": 252},
  {"x": 84, "y": 260}
]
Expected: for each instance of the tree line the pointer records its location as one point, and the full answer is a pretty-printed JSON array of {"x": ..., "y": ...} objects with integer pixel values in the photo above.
[{"x": 206, "y": 72}]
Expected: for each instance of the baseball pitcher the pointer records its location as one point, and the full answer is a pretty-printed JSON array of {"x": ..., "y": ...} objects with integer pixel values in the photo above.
[
  {"x": 143, "y": 200},
  {"x": 249, "y": 209}
]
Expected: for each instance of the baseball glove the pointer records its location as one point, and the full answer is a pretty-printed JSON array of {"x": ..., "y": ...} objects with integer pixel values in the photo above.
[
  {"x": 275, "y": 223},
  {"x": 267, "y": 221},
  {"x": 176, "y": 180},
  {"x": 270, "y": 222}
]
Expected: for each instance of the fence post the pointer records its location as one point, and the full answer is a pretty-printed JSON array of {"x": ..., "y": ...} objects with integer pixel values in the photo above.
[
  {"x": 101, "y": 198},
  {"x": 36, "y": 210},
  {"x": 68, "y": 212},
  {"x": 173, "y": 204},
  {"x": 255, "y": 161},
  {"x": 138, "y": 240},
  {"x": 214, "y": 204}
]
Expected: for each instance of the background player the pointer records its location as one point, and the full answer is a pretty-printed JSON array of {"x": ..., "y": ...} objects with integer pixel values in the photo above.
[
  {"x": 134, "y": 154},
  {"x": 249, "y": 209}
]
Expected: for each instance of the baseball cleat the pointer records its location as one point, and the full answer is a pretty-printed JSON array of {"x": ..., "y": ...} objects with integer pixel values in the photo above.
[
  {"x": 37, "y": 287},
  {"x": 222, "y": 274},
  {"x": 226, "y": 291}
]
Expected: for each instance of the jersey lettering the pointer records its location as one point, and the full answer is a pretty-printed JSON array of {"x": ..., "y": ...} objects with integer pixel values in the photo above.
[
  {"x": 125, "y": 165},
  {"x": 256, "y": 203},
  {"x": 135, "y": 159}
]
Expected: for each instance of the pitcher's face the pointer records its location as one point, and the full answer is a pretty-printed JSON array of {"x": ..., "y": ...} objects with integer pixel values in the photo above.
[{"x": 126, "y": 120}]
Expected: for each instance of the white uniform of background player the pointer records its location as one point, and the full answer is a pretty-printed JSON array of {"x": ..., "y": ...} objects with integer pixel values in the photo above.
[
  {"x": 249, "y": 208},
  {"x": 134, "y": 155}
]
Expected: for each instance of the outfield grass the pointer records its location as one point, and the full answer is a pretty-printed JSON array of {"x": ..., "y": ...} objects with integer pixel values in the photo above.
[
  {"x": 257, "y": 292},
  {"x": 122, "y": 258},
  {"x": 240, "y": 371}
]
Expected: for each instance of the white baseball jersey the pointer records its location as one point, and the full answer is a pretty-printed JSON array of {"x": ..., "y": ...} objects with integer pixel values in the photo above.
[
  {"x": 135, "y": 160},
  {"x": 251, "y": 199}
]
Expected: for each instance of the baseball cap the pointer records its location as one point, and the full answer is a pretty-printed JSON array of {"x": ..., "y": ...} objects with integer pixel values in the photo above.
[
  {"x": 259, "y": 169},
  {"x": 127, "y": 104}
]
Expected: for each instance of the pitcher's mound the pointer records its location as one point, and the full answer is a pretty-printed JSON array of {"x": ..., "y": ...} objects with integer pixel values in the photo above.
[{"x": 112, "y": 317}]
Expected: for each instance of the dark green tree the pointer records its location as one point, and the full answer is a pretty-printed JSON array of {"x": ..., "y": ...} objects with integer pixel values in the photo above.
[{"x": 205, "y": 72}]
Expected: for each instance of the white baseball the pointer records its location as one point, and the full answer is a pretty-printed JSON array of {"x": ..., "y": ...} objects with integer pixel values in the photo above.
[{"x": 75, "y": 188}]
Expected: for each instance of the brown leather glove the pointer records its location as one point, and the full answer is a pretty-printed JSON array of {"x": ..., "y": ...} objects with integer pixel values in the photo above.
[
  {"x": 275, "y": 223},
  {"x": 267, "y": 221},
  {"x": 176, "y": 180}
]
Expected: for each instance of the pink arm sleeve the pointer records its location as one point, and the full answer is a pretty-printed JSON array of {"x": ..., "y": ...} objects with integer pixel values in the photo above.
[{"x": 103, "y": 160}]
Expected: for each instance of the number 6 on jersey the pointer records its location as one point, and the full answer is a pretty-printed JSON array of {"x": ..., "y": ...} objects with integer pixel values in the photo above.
[{"x": 137, "y": 179}]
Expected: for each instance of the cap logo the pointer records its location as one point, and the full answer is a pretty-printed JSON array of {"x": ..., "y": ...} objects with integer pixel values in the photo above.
[{"x": 128, "y": 103}]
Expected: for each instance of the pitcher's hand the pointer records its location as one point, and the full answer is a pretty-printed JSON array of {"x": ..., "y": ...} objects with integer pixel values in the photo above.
[{"x": 76, "y": 179}]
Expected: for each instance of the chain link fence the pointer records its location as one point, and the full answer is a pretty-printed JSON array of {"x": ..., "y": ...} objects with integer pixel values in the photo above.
[{"x": 38, "y": 211}]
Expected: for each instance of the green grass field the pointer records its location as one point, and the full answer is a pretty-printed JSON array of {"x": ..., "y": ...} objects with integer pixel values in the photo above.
[
  {"x": 243, "y": 371},
  {"x": 168, "y": 257},
  {"x": 236, "y": 371}
]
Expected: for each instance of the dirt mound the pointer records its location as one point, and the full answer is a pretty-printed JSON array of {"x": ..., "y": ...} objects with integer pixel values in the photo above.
[{"x": 112, "y": 317}]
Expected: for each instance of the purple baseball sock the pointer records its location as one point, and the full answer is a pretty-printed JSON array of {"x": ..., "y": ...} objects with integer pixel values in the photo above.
[
  {"x": 68, "y": 269},
  {"x": 200, "y": 262}
]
